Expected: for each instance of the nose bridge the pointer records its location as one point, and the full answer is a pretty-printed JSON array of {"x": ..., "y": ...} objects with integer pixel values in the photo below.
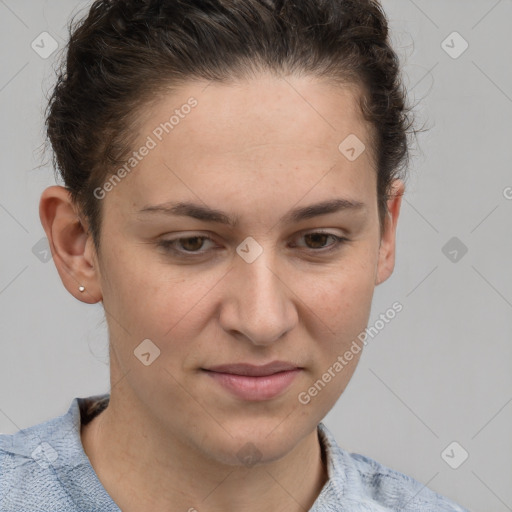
[{"x": 264, "y": 311}]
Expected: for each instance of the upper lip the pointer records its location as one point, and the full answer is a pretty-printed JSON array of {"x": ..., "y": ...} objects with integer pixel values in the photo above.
[{"x": 254, "y": 370}]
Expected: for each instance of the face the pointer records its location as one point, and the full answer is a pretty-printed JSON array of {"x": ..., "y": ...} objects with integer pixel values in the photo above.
[{"x": 255, "y": 273}]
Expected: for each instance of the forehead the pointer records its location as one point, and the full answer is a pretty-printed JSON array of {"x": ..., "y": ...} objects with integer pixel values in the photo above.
[{"x": 265, "y": 136}]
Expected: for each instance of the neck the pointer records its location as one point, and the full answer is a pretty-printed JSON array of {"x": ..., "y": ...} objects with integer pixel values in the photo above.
[{"x": 144, "y": 468}]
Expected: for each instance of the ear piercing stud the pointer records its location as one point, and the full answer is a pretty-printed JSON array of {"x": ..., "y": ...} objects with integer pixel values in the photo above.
[{"x": 81, "y": 288}]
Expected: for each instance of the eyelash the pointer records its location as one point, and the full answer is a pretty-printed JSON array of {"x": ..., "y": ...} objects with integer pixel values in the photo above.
[{"x": 167, "y": 245}]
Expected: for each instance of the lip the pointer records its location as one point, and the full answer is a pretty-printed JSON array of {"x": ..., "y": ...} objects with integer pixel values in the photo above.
[
  {"x": 254, "y": 370},
  {"x": 254, "y": 383}
]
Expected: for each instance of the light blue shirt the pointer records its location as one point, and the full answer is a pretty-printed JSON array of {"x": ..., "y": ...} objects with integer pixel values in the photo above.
[{"x": 45, "y": 468}]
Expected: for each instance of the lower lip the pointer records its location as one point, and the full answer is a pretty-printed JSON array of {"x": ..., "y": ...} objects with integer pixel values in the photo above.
[{"x": 255, "y": 388}]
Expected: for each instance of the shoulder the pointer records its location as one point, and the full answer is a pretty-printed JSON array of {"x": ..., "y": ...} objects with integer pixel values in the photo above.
[
  {"x": 361, "y": 480},
  {"x": 28, "y": 480},
  {"x": 44, "y": 467}
]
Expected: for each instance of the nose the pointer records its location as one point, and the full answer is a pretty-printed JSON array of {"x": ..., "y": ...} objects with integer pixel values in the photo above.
[{"x": 258, "y": 304}]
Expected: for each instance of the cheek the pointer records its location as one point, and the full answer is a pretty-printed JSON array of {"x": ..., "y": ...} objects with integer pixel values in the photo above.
[
  {"x": 336, "y": 354},
  {"x": 145, "y": 291},
  {"x": 168, "y": 304},
  {"x": 339, "y": 307},
  {"x": 342, "y": 310},
  {"x": 339, "y": 298}
]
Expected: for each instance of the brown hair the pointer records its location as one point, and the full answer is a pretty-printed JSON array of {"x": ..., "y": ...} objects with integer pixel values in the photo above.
[{"x": 125, "y": 53}]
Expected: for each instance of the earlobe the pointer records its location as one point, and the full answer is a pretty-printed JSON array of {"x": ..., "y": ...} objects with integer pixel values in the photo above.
[
  {"x": 71, "y": 244},
  {"x": 386, "y": 259}
]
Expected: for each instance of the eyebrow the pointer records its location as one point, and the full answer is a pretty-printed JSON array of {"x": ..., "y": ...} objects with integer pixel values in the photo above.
[{"x": 205, "y": 213}]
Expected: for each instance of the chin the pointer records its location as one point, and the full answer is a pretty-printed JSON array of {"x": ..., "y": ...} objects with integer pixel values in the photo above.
[
  {"x": 253, "y": 451},
  {"x": 251, "y": 442}
]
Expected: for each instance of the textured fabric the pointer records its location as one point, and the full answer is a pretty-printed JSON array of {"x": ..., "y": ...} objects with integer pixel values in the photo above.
[{"x": 44, "y": 468}]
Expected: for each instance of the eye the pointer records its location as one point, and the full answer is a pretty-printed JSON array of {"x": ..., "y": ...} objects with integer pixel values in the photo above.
[
  {"x": 318, "y": 239},
  {"x": 190, "y": 245}
]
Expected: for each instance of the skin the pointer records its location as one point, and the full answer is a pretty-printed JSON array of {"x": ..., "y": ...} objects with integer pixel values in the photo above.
[{"x": 170, "y": 438}]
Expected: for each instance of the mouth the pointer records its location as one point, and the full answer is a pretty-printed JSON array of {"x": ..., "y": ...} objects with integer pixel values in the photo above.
[{"x": 254, "y": 383}]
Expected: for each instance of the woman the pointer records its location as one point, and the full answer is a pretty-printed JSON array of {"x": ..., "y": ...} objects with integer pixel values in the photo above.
[{"x": 232, "y": 191}]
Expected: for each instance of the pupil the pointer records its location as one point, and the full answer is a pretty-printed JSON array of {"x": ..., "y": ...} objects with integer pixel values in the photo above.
[
  {"x": 187, "y": 240},
  {"x": 315, "y": 236}
]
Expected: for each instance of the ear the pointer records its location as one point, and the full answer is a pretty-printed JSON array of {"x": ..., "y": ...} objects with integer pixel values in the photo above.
[
  {"x": 71, "y": 244},
  {"x": 386, "y": 262}
]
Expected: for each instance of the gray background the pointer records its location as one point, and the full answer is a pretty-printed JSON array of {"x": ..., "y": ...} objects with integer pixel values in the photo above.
[{"x": 439, "y": 372}]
